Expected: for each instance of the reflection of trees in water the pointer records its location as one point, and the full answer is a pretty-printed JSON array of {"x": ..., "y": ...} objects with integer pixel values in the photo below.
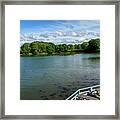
[{"x": 92, "y": 58}]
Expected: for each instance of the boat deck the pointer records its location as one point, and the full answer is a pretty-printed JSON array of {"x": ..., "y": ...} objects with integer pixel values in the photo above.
[
  {"x": 89, "y": 93},
  {"x": 95, "y": 95}
]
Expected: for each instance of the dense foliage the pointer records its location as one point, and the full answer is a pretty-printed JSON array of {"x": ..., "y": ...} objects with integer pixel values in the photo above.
[{"x": 41, "y": 48}]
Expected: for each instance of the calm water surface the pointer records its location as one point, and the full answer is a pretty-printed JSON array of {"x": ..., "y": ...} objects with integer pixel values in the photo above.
[{"x": 57, "y": 77}]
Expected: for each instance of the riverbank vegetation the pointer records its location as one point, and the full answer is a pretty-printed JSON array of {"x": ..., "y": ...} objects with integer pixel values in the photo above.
[{"x": 38, "y": 48}]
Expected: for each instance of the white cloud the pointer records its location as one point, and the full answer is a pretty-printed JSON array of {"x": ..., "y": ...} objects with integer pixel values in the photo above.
[{"x": 59, "y": 37}]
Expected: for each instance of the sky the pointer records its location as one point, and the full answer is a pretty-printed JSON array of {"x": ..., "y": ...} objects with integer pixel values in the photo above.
[{"x": 59, "y": 31}]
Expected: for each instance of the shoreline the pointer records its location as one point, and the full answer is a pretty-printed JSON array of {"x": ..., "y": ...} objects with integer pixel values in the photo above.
[{"x": 62, "y": 53}]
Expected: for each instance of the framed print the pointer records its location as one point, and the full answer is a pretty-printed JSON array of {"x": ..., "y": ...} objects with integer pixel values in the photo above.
[{"x": 60, "y": 59}]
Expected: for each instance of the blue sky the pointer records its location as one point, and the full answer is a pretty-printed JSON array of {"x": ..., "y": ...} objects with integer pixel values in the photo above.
[{"x": 58, "y": 31}]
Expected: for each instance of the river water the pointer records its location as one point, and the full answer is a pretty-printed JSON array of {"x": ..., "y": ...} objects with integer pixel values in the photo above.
[{"x": 56, "y": 77}]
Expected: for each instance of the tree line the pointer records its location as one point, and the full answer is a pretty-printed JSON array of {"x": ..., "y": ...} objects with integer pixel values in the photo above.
[{"x": 41, "y": 48}]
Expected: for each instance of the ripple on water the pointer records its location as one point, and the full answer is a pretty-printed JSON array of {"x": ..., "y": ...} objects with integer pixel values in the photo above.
[{"x": 57, "y": 77}]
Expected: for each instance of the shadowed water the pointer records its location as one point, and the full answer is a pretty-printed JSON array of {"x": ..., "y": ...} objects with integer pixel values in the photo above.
[{"x": 57, "y": 77}]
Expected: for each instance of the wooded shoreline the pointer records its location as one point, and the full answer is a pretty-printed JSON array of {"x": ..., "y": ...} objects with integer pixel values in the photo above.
[
  {"x": 62, "y": 53},
  {"x": 38, "y": 48}
]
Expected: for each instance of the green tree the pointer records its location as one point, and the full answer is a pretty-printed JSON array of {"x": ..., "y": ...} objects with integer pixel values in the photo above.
[
  {"x": 70, "y": 47},
  {"x": 42, "y": 47},
  {"x": 35, "y": 49},
  {"x": 50, "y": 48},
  {"x": 75, "y": 46},
  {"x": 94, "y": 44},
  {"x": 79, "y": 46},
  {"x": 64, "y": 48},
  {"x": 25, "y": 49},
  {"x": 84, "y": 45},
  {"x": 61, "y": 48},
  {"x": 57, "y": 49}
]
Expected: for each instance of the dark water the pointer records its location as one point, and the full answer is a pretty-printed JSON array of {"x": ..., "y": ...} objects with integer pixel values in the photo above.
[{"x": 57, "y": 77}]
